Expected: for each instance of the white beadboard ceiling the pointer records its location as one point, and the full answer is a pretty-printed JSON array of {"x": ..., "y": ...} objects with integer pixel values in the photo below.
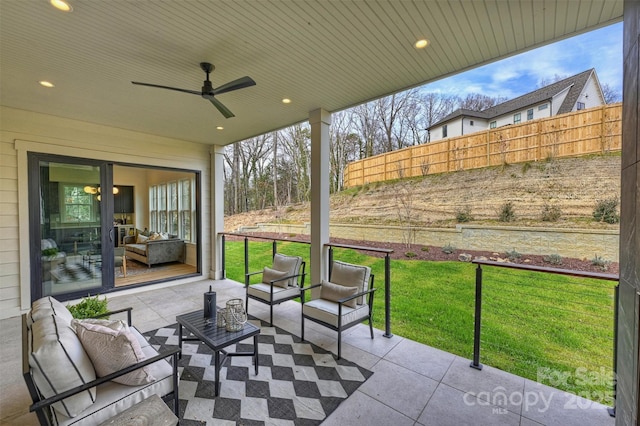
[{"x": 320, "y": 54}]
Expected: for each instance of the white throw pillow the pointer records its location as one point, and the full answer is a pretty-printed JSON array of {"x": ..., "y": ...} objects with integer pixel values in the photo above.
[
  {"x": 111, "y": 346},
  {"x": 141, "y": 239},
  {"x": 269, "y": 275}
]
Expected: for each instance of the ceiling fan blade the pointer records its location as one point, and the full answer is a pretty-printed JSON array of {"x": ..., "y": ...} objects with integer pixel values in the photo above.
[
  {"x": 223, "y": 109},
  {"x": 240, "y": 83},
  {"x": 193, "y": 92}
]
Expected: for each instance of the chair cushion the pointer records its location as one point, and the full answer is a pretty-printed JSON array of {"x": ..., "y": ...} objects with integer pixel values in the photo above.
[
  {"x": 59, "y": 363},
  {"x": 335, "y": 292},
  {"x": 269, "y": 275},
  {"x": 288, "y": 264},
  {"x": 46, "y": 307},
  {"x": 326, "y": 311},
  {"x": 111, "y": 347},
  {"x": 140, "y": 249},
  {"x": 263, "y": 291},
  {"x": 351, "y": 275}
]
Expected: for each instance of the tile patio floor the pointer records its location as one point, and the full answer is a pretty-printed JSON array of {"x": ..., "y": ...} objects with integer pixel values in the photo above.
[{"x": 412, "y": 384}]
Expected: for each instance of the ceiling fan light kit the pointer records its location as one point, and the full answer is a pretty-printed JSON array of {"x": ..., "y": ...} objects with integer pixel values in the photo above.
[{"x": 208, "y": 92}]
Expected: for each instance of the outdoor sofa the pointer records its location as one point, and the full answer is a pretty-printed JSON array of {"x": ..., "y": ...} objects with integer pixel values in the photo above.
[{"x": 78, "y": 373}]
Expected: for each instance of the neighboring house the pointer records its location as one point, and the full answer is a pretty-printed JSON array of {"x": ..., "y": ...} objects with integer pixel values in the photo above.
[{"x": 578, "y": 92}]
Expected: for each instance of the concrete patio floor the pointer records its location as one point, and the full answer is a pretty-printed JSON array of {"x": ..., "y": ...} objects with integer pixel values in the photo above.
[{"x": 412, "y": 384}]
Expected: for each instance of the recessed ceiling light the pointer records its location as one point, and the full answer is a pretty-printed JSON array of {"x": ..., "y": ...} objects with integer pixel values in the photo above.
[
  {"x": 46, "y": 83},
  {"x": 286, "y": 101},
  {"x": 421, "y": 44},
  {"x": 219, "y": 128},
  {"x": 61, "y": 5}
]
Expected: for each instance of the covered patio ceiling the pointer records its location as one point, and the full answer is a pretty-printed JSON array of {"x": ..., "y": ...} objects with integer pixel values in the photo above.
[{"x": 320, "y": 54}]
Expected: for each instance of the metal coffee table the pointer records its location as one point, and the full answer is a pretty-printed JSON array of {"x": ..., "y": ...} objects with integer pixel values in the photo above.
[{"x": 217, "y": 338}]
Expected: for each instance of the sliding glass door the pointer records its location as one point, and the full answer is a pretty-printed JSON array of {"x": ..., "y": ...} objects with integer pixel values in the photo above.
[{"x": 68, "y": 200}]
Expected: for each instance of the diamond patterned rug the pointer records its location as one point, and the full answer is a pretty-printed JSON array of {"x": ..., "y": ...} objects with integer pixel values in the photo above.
[{"x": 298, "y": 383}]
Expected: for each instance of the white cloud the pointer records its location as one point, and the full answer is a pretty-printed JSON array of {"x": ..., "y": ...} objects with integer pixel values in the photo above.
[{"x": 600, "y": 49}]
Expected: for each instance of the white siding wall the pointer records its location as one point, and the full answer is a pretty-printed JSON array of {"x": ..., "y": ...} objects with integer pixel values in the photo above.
[
  {"x": 591, "y": 95},
  {"x": 506, "y": 119},
  {"x": 478, "y": 125},
  {"x": 34, "y": 132}
]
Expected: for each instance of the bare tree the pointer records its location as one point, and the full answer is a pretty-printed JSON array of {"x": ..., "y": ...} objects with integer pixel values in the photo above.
[
  {"x": 296, "y": 145},
  {"x": 405, "y": 196},
  {"x": 611, "y": 95},
  {"x": 479, "y": 102},
  {"x": 550, "y": 80},
  {"x": 368, "y": 128},
  {"x": 390, "y": 112}
]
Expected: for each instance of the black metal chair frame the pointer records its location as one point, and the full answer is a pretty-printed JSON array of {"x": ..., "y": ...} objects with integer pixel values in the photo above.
[
  {"x": 272, "y": 302},
  {"x": 341, "y": 327}
]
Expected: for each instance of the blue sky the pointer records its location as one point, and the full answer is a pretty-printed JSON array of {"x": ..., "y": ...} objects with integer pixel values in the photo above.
[{"x": 600, "y": 49}]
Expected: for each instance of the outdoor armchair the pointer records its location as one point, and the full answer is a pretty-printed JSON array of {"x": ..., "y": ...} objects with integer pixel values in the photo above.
[
  {"x": 280, "y": 282},
  {"x": 342, "y": 302}
]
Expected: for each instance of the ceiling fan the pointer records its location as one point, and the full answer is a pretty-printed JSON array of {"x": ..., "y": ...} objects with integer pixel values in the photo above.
[{"x": 208, "y": 91}]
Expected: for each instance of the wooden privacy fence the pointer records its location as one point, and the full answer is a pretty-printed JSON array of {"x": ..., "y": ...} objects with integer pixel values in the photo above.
[{"x": 589, "y": 131}]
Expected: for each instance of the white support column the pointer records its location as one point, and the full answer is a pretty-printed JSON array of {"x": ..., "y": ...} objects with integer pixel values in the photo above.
[
  {"x": 320, "y": 120},
  {"x": 217, "y": 211}
]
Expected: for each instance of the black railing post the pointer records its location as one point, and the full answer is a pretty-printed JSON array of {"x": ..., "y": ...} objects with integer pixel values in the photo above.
[
  {"x": 274, "y": 248},
  {"x": 224, "y": 260},
  {"x": 387, "y": 296},
  {"x": 330, "y": 261},
  {"x": 476, "y": 333},
  {"x": 246, "y": 256},
  {"x": 616, "y": 295}
]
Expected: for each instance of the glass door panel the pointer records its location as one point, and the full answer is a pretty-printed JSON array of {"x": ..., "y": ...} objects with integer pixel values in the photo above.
[{"x": 70, "y": 228}]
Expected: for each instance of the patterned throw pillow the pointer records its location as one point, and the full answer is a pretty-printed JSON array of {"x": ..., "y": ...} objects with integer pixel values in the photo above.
[
  {"x": 141, "y": 239},
  {"x": 111, "y": 346}
]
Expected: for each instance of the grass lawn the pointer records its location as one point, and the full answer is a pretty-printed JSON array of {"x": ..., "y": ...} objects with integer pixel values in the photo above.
[{"x": 550, "y": 328}]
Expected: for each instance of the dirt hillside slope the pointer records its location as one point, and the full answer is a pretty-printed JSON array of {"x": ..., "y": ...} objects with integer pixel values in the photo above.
[{"x": 574, "y": 185}]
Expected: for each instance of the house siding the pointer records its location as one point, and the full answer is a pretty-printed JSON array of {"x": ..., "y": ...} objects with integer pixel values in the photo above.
[{"x": 23, "y": 131}]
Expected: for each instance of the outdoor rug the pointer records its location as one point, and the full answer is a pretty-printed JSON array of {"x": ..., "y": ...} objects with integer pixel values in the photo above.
[{"x": 298, "y": 383}]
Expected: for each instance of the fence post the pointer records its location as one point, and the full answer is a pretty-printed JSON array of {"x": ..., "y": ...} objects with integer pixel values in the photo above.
[
  {"x": 476, "y": 333},
  {"x": 224, "y": 260},
  {"x": 387, "y": 296},
  {"x": 616, "y": 296}
]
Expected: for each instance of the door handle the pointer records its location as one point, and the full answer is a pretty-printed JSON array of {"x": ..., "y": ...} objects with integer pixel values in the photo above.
[{"x": 111, "y": 235}]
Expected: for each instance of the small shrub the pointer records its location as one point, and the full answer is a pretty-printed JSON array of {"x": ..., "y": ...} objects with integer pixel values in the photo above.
[
  {"x": 525, "y": 167},
  {"x": 551, "y": 213},
  {"x": 607, "y": 211},
  {"x": 410, "y": 254},
  {"x": 425, "y": 249},
  {"x": 507, "y": 213},
  {"x": 448, "y": 249},
  {"x": 600, "y": 262},
  {"x": 554, "y": 259},
  {"x": 513, "y": 255},
  {"x": 464, "y": 215},
  {"x": 89, "y": 307},
  {"x": 50, "y": 252}
]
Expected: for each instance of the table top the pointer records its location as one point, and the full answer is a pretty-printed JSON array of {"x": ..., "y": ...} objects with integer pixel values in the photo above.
[{"x": 215, "y": 337}]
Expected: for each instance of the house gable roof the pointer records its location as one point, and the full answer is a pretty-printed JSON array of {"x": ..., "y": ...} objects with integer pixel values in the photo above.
[{"x": 575, "y": 84}]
